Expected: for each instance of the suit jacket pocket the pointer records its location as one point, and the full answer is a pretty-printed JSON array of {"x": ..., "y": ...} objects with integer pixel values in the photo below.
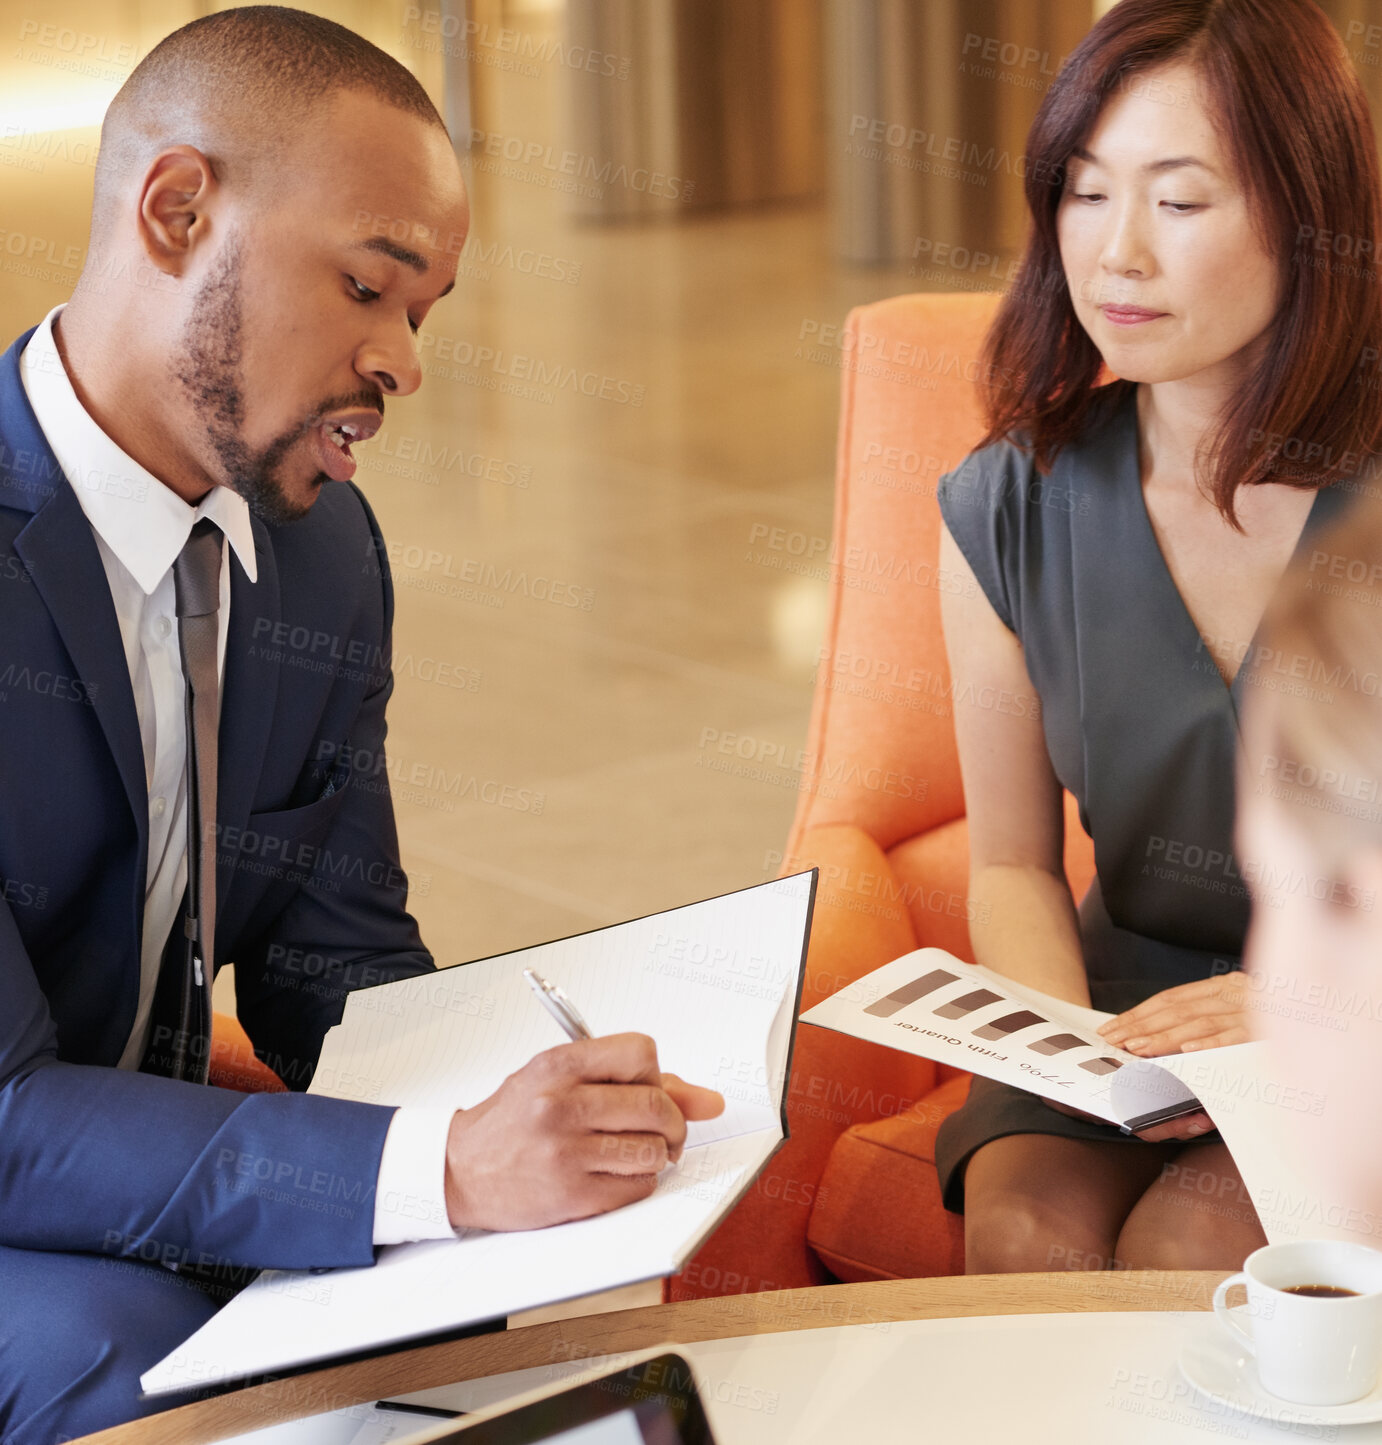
[{"x": 283, "y": 846}]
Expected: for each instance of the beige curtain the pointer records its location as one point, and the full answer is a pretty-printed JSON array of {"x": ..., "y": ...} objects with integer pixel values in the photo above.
[
  {"x": 929, "y": 105},
  {"x": 721, "y": 99}
]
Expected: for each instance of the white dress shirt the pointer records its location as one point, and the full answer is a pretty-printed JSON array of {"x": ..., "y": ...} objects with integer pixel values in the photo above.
[{"x": 140, "y": 527}]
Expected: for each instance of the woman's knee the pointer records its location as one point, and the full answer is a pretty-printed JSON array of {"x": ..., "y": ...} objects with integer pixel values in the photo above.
[
  {"x": 1022, "y": 1234},
  {"x": 1200, "y": 1244},
  {"x": 1037, "y": 1202},
  {"x": 1023, "y": 1210},
  {"x": 1197, "y": 1215}
]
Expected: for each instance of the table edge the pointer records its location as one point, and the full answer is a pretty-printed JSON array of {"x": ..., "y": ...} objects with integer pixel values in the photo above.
[{"x": 872, "y": 1303}]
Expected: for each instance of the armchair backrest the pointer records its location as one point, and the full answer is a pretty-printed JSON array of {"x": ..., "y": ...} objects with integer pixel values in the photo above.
[{"x": 881, "y": 745}]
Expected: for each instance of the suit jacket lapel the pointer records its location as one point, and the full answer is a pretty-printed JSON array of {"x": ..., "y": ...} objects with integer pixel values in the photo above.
[
  {"x": 60, "y": 552},
  {"x": 59, "y": 548}
]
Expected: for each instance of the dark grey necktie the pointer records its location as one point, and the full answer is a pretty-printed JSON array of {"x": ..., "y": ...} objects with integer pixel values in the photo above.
[{"x": 197, "y": 584}]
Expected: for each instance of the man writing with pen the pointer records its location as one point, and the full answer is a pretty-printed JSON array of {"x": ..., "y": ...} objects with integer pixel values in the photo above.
[{"x": 175, "y": 482}]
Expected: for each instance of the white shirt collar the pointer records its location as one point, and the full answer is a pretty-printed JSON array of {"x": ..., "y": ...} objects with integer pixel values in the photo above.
[{"x": 143, "y": 522}]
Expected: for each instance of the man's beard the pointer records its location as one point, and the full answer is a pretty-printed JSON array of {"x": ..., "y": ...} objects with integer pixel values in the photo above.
[{"x": 207, "y": 366}]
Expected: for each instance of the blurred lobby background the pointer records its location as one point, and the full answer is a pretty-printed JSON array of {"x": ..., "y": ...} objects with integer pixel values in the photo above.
[{"x": 611, "y": 579}]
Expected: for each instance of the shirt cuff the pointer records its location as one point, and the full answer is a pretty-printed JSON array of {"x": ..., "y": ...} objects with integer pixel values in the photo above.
[{"x": 410, "y": 1197}]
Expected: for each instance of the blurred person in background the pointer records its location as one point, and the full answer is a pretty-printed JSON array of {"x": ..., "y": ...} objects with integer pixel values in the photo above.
[{"x": 1310, "y": 837}]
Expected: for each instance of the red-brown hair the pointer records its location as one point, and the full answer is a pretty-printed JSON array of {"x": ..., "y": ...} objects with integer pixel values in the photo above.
[{"x": 1285, "y": 98}]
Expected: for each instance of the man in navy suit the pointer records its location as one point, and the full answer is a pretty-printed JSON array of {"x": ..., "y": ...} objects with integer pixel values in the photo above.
[{"x": 277, "y": 207}]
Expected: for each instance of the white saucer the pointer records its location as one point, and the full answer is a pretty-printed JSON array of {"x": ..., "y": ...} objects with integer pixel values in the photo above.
[{"x": 1225, "y": 1373}]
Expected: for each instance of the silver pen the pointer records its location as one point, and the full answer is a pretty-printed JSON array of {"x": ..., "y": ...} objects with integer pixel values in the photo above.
[{"x": 558, "y": 1005}]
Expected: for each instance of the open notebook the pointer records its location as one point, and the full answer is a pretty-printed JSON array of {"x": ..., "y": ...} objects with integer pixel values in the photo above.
[{"x": 716, "y": 984}]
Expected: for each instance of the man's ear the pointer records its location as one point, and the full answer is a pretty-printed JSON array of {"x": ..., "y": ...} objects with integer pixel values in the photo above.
[{"x": 173, "y": 205}]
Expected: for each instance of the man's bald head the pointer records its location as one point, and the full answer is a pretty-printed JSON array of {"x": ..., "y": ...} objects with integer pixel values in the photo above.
[
  {"x": 278, "y": 206},
  {"x": 241, "y": 86}
]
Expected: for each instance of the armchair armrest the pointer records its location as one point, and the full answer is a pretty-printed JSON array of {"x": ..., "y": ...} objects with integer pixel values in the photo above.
[
  {"x": 860, "y": 923},
  {"x": 233, "y": 1061}
]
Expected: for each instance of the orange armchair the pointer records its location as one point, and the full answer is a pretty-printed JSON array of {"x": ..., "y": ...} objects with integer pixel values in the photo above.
[
  {"x": 233, "y": 1062},
  {"x": 853, "y": 1193}
]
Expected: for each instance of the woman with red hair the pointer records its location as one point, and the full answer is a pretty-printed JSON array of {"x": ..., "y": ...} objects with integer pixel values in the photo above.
[{"x": 1203, "y": 188}]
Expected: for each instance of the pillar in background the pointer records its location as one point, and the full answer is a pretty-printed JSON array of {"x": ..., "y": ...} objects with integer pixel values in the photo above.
[{"x": 720, "y": 101}]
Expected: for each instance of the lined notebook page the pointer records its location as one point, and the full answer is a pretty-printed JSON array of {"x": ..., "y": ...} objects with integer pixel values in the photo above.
[{"x": 705, "y": 982}]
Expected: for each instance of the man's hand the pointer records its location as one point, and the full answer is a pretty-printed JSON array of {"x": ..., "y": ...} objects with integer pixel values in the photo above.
[
  {"x": 580, "y": 1129},
  {"x": 1202, "y": 1015}
]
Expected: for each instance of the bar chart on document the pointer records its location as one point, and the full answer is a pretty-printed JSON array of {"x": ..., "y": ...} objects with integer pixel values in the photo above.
[{"x": 932, "y": 1004}]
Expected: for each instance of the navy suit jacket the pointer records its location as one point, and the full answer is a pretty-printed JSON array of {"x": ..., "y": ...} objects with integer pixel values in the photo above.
[{"x": 311, "y": 901}]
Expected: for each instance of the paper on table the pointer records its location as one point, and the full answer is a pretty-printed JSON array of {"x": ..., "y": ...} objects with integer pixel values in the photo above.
[
  {"x": 715, "y": 983},
  {"x": 351, "y": 1425},
  {"x": 1263, "y": 1110}
]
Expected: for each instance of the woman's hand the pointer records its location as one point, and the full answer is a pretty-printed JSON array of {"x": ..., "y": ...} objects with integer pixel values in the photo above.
[
  {"x": 1206, "y": 1014},
  {"x": 1192, "y": 1126},
  {"x": 1199, "y": 1015}
]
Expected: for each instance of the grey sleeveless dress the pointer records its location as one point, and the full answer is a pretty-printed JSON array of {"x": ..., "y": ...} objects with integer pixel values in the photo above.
[{"x": 1139, "y": 725}]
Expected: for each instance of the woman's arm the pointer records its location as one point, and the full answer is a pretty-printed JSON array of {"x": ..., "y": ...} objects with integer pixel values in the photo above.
[{"x": 1024, "y": 924}]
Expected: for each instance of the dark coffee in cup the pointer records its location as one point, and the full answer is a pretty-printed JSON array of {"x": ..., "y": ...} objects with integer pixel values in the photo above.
[{"x": 1308, "y": 1350}]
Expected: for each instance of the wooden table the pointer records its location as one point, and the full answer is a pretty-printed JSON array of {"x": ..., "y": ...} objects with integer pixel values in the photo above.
[{"x": 428, "y": 1366}]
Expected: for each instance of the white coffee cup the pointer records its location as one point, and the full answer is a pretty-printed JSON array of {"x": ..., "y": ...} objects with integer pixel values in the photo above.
[{"x": 1311, "y": 1350}]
